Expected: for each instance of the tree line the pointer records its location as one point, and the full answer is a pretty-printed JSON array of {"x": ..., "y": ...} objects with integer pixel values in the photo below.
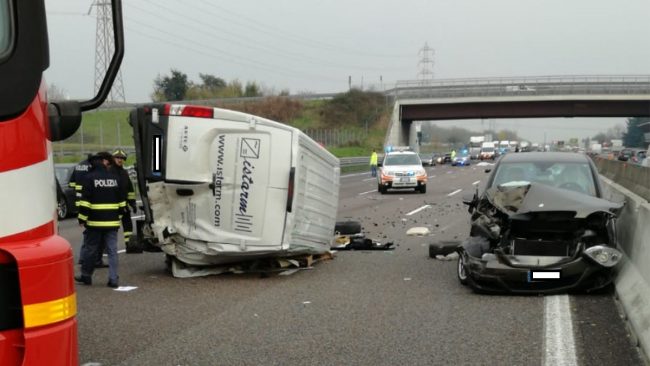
[{"x": 177, "y": 86}]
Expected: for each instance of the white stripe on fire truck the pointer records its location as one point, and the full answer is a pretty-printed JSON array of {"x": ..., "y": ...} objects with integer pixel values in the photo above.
[{"x": 29, "y": 196}]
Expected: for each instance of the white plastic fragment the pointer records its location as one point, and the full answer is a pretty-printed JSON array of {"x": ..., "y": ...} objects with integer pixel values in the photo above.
[{"x": 418, "y": 231}]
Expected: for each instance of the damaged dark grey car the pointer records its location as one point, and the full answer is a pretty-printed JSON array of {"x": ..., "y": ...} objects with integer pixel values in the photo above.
[{"x": 540, "y": 226}]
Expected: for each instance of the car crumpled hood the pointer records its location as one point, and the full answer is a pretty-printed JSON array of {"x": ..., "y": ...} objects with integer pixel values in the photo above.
[{"x": 537, "y": 197}]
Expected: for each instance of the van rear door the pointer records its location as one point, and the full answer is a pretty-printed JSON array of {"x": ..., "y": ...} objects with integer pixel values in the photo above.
[{"x": 225, "y": 177}]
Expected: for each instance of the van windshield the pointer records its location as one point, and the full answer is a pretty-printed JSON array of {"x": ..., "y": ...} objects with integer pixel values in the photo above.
[{"x": 5, "y": 29}]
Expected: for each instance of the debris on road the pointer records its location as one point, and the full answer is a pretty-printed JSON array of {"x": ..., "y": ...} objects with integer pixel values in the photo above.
[{"x": 418, "y": 231}]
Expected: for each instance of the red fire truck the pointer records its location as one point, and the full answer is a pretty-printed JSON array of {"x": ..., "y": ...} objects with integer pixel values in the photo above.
[{"x": 38, "y": 323}]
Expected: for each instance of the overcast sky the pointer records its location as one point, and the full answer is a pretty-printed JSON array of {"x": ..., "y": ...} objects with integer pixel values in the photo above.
[{"x": 306, "y": 45}]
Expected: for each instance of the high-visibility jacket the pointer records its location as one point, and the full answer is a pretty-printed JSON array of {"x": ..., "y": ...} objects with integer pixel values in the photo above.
[
  {"x": 373, "y": 159},
  {"x": 77, "y": 177},
  {"x": 102, "y": 200}
]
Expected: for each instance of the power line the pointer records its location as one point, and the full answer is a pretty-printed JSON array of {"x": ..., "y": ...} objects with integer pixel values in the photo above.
[
  {"x": 266, "y": 28},
  {"x": 244, "y": 41}
]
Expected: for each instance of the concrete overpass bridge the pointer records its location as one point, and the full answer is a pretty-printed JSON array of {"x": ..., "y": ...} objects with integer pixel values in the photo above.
[{"x": 521, "y": 97}]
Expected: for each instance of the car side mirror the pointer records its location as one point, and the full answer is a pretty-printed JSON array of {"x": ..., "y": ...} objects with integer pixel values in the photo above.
[{"x": 488, "y": 170}]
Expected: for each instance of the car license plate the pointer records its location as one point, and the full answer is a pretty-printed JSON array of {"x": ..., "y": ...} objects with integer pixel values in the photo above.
[
  {"x": 405, "y": 180},
  {"x": 543, "y": 275}
]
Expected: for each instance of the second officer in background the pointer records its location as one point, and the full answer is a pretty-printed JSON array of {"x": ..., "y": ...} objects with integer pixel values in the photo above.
[{"x": 119, "y": 157}]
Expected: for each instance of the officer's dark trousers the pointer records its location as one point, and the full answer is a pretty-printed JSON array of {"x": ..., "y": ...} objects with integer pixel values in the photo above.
[{"x": 96, "y": 239}]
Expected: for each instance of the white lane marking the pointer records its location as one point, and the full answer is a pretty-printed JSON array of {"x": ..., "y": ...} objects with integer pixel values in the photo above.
[
  {"x": 477, "y": 182},
  {"x": 373, "y": 178},
  {"x": 454, "y": 192},
  {"x": 362, "y": 193},
  {"x": 417, "y": 210},
  {"x": 558, "y": 332}
]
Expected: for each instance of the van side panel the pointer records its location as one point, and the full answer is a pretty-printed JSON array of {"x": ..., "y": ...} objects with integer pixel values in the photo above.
[
  {"x": 226, "y": 183},
  {"x": 315, "y": 204}
]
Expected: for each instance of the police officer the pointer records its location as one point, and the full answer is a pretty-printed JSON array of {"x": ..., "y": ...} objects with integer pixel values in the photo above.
[
  {"x": 102, "y": 202},
  {"x": 119, "y": 156},
  {"x": 78, "y": 174}
]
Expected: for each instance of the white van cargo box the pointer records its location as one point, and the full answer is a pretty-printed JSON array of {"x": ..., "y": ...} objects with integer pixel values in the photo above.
[{"x": 220, "y": 186}]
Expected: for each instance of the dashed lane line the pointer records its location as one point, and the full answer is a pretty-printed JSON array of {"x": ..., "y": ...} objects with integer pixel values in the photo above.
[
  {"x": 418, "y": 210},
  {"x": 559, "y": 343},
  {"x": 454, "y": 192},
  {"x": 362, "y": 193}
]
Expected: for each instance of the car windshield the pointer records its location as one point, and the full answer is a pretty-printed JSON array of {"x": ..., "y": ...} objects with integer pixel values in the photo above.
[
  {"x": 402, "y": 159},
  {"x": 571, "y": 176},
  {"x": 62, "y": 174},
  {"x": 5, "y": 29}
]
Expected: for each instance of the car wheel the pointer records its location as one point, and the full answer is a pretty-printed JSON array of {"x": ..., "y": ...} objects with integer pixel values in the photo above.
[
  {"x": 347, "y": 227},
  {"x": 461, "y": 271},
  {"x": 423, "y": 189},
  {"x": 62, "y": 208}
]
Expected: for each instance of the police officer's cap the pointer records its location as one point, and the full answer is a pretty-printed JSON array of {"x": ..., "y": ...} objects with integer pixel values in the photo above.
[
  {"x": 103, "y": 155},
  {"x": 119, "y": 153}
]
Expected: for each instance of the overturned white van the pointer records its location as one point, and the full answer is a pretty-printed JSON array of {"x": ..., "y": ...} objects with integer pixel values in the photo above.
[{"x": 220, "y": 187}]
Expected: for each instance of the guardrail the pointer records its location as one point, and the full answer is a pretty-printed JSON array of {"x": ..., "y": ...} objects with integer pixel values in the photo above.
[
  {"x": 524, "y": 86},
  {"x": 634, "y": 177}
]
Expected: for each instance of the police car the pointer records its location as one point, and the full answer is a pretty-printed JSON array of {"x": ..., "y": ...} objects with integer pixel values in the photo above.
[{"x": 402, "y": 170}]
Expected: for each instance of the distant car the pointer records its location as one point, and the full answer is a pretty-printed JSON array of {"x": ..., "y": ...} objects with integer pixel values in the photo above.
[
  {"x": 65, "y": 194},
  {"x": 462, "y": 160},
  {"x": 401, "y": 170},
  {"x": 427, "y": 159},
  {"x": 444, "y": 158},
  {"x": 540, "y": 226},
  {"x": 633, "y": 155}
]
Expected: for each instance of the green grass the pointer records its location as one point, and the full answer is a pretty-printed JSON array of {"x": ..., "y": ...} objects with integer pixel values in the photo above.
[{"x": 105, "y": 130}]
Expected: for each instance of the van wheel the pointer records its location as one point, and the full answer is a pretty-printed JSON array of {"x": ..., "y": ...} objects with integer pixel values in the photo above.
[
  {"x": 62, "y": 208},
  {"x": 348, "y": 227}
]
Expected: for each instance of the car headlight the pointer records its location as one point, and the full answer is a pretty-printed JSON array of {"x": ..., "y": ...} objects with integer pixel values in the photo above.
[
  {"x": 420, "y": 172},
  {"x": 604, "y": 255}
]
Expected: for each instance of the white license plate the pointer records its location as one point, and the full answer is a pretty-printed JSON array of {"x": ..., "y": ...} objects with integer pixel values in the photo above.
[
  {"x": 544, "y": 275},
  {"x": 405, "y": 180}
]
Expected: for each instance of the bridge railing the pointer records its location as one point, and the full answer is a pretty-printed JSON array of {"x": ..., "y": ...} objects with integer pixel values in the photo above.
[{"x": 522, "y": 86}]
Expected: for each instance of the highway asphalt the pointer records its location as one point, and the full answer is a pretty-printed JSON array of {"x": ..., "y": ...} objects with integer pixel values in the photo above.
[{"x": 361, "y": 308}]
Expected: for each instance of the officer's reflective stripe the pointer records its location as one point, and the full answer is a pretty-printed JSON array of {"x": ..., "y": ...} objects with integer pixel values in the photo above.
[
  {"x": 36, "y": 315},
  {"x": 104, "y": 206},
  {"x": 78, "y": 187},
  {"x": 82, "y": 217},
  {"x": 72, "y": 185},
  {"x": 131, "y": 195},
  {"x": 103, "y": 223},
  {"x": 122, "y": 204},
  {"x": 127, "y": 234},
  {"x": 84, "y": 203}
]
